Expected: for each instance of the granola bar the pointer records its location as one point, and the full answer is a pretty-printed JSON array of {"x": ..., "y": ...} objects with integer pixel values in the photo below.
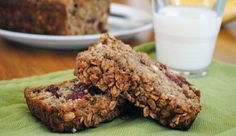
[
  {"x": 71, "y": 106},
  {"x": 55, "y": 17},
  {"x": 114, "y": 67}
]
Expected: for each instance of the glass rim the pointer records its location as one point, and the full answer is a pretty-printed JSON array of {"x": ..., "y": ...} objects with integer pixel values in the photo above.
[{"x": 220, "y": 6}]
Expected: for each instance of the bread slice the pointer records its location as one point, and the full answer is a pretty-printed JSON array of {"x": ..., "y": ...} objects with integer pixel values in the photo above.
[
  {"x": 114, "y": 67},
  {"x": 71, "y": 106},
  {"x": 55, "y": 17}
]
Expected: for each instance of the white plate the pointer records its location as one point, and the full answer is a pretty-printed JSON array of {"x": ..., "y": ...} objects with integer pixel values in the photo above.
[{"x": 125, "y": 22}]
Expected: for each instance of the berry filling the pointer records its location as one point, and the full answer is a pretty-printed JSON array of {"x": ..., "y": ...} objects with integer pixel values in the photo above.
[
  {"x": 79, "y": 91},
  {"x": 163, "y": 67},
  {"x": 82, "y": 89},
  {"x": 54, "y": 90},
  {"x": 177, "y": 79},
  {"x": 76, "y": 95},
  {"x": 180, "y": 80}
]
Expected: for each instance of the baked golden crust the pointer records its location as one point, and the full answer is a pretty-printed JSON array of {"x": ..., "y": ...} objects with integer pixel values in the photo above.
[
  {"x": 33, "y": 16},
  {"x": 115, "y": 68},
  {"x": 70, "y": 106},
  {"x": 91, "y": 18},
  {"x": 54, "y": 17}
]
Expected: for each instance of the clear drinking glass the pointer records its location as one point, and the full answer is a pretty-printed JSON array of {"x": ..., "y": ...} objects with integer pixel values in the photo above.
[{"x": 186, "y": 33}]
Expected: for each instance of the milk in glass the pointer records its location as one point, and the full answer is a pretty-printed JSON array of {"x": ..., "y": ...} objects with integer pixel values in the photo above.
[{"x": 185, "y": 36}]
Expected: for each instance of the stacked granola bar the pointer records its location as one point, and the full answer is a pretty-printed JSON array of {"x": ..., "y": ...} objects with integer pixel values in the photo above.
[
  {"x": 118, "y": 70},
  {"x": 72, "y": 106},
  {"x": 116, "y": 74}
]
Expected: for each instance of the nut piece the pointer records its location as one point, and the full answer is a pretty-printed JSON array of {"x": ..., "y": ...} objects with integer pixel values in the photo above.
[
  {"x": 146, "y": 111},
  {"x": 153, "y": 115},
  {"x": 89, "y": 117},
  {"x": 83, "y": 64},
  {"x": 69, "y": 116},
  {"x": 112, "y": 105},
  {"x": 115, "y": 92},
  {"x": 152, "y": 104},
  {"x": 154, "y": 97},
  {"x": 93, "y": 78}
]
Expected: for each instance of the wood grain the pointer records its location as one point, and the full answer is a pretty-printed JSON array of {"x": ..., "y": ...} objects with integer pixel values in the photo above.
[{"x": 18, "y": 61}]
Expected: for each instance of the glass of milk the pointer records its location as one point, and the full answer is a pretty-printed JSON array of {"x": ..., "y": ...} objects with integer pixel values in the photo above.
[{"x": 186, "y": 33}]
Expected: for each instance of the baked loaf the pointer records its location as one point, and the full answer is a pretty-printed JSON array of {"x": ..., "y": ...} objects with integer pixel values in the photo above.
[
  {"x": 71, "y": 106},
  {"x": 114, "y": 67},
  {"x": 55, "y": 17}
]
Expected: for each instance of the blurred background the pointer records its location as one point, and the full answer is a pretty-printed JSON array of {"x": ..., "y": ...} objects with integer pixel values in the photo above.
[{"x": 21, "y": 61}]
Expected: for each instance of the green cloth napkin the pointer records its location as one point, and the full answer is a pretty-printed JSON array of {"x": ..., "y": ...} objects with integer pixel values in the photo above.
[{"x": 218, "y": 115}]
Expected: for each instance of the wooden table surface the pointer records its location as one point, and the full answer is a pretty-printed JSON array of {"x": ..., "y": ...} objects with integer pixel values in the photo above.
[{"x": 18, "y": 61}]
